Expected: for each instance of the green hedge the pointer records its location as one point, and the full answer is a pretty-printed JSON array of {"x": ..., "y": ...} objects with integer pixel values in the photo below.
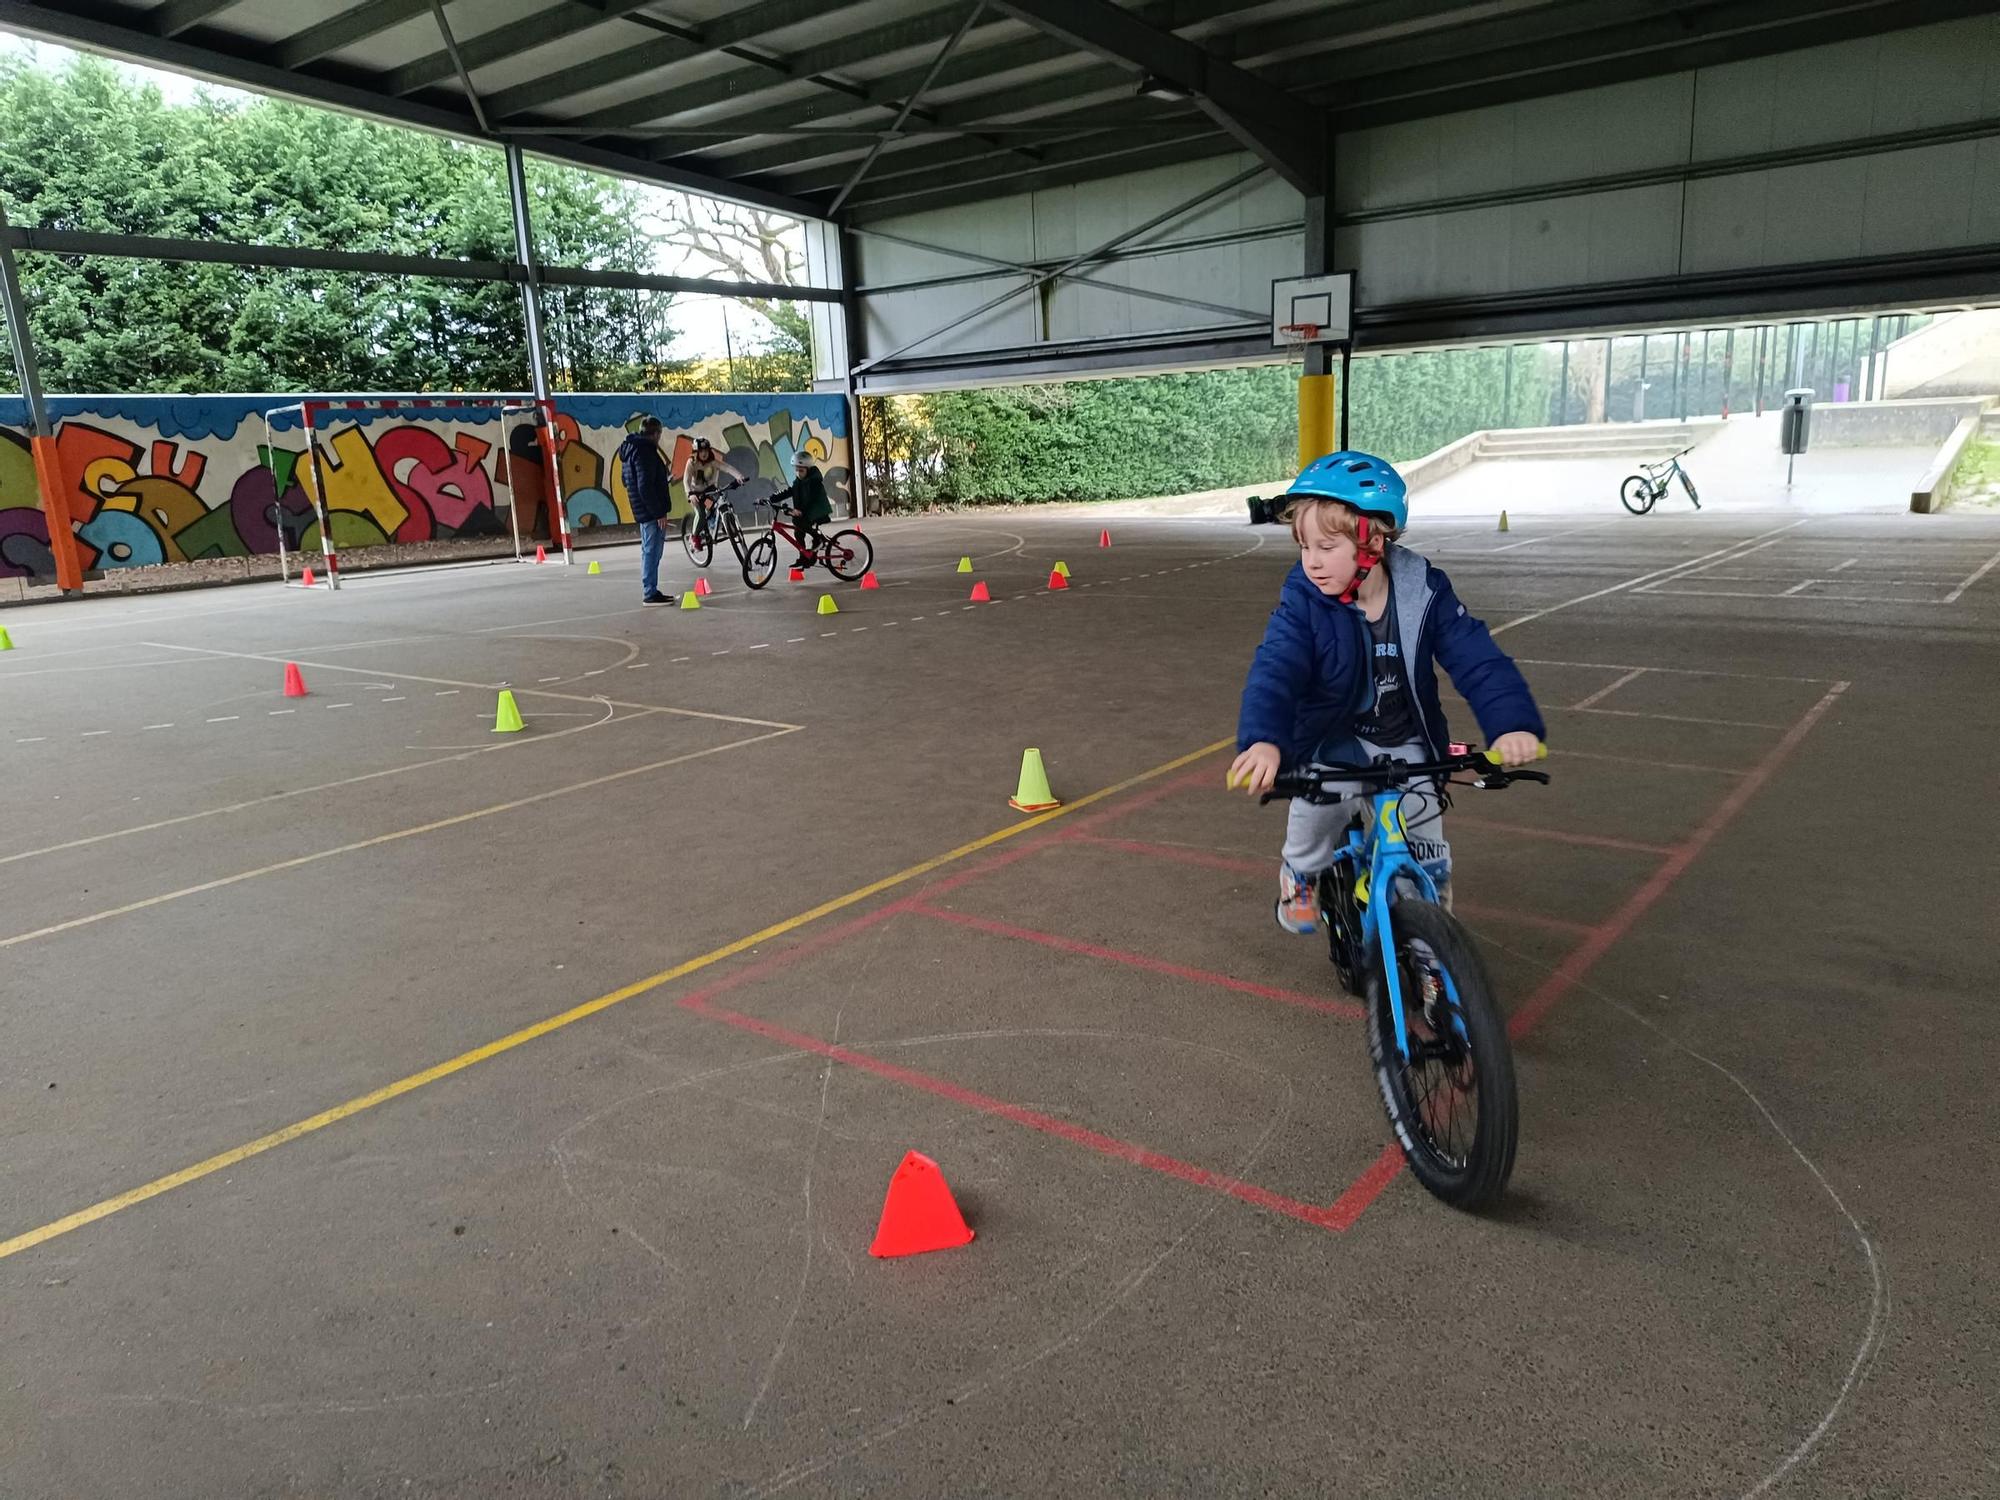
[{"x": 1175, "y": 434}]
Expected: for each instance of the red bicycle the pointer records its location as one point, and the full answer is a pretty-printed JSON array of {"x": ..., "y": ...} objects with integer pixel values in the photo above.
[{"x": 846, "y": 554}]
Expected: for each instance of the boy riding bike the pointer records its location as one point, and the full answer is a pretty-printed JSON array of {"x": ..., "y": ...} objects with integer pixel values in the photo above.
[
  {"x": 1347, "y": 672},
  {"x": 808, "y": 505}
]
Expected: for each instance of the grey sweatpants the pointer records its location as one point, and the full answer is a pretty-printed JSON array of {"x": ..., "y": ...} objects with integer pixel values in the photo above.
[{"x": 1314, "y": 833}]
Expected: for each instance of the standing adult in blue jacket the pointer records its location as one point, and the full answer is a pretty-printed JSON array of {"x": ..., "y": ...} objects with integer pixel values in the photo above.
[
  {"x": 1347, "y": 671},
  {"x": 648, "y": 486}
]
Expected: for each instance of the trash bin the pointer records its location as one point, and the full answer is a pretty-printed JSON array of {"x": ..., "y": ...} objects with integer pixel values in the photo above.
[{"x": 1795, "y": 429}]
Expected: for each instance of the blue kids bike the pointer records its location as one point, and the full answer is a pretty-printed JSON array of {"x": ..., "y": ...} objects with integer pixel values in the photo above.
[{"x": 1435, "y": 1033}]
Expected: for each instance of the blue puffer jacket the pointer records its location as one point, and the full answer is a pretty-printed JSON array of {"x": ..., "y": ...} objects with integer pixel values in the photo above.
[
  {"x": 646, "y": 479},
  {"x": 1313, "y": 674}
]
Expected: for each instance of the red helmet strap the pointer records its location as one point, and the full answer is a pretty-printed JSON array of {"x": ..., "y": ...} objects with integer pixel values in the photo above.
[{"x": 1365, "y": 558}]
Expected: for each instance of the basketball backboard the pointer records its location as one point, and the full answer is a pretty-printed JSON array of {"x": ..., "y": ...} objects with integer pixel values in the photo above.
[{"x": 1324, "y": 301}]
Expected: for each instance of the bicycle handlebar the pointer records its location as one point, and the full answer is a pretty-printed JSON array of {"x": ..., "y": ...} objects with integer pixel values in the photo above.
[{"x": 1311, "y": 785}]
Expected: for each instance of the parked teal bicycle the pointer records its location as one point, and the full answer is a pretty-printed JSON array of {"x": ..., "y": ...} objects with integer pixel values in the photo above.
[{"x": 1435, "y": 1032}]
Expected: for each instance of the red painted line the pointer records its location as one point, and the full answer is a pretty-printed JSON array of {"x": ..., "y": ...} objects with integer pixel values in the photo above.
[
  {"x": 1615, "y": 926},
  {"x": 1237, "y": 863},
  {"x": 1558, "y": 836},
  {"x": 1346, "y": 1009},
  {"x": 1204, "y": 858},
  {"x": 972, "y": 1099},
  {"x": 1564, "y": 977}
]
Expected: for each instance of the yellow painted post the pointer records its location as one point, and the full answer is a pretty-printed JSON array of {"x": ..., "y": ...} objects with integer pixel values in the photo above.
[{"x": 1316, "y": 408}]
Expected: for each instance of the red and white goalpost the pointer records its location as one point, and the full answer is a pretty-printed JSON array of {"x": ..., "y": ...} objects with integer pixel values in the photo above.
[{"x": 312, "y": 418}]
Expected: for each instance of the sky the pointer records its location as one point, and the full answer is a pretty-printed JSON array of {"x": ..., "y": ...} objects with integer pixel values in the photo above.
[{"x": 704, "y": 327}]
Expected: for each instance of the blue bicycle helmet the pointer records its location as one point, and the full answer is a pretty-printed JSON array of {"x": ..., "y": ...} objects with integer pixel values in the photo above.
[{"x": 1361, "y": 480}]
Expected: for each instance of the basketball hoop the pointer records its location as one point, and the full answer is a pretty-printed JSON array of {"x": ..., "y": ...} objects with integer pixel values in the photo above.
[{"x": 1298, "y": 335}]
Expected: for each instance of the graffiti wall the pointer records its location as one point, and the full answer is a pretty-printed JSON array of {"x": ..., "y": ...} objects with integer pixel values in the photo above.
[{"x": 161, "y": 479}]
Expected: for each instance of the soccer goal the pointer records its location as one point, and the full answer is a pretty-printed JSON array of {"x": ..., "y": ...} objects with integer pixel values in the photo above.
[{"x": 523, "y": 420}]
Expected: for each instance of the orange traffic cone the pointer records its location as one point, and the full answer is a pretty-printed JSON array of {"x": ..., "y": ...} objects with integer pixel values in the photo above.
[
  {"x": 1057, "y": 581},
  {"x": 295, "y": 685},
  {"x": 870, "y": 581},
  {"x": 980, "y": 594},
  {"x": 540, "y": 555},
  {"x": 701, "y": 587},
  {"x": 798, "y": 575},
  {"x": 919, "y": 1213},
  {"x": 307, "y": 580},
  {"x": 1104, "y": 537}
]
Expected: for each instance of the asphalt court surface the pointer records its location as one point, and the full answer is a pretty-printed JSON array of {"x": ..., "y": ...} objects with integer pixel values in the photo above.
[{"x": 293, "y": 1204}]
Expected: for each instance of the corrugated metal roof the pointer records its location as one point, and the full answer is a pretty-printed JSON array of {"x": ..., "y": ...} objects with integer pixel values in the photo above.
[{"x": 777, "y": 101}]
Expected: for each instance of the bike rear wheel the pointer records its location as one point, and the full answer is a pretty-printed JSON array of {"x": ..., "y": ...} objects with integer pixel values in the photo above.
[
  {"x": 848, "y": 554},
  {"x": 760, "y": 562},
  {"x": 694, "y": 536},
  {"x": 1638, "y": 495},
  {"x": 1453, "y": 1103}
]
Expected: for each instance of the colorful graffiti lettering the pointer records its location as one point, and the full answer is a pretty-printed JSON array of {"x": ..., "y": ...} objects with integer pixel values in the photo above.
[{"x": 155, "y": 480}]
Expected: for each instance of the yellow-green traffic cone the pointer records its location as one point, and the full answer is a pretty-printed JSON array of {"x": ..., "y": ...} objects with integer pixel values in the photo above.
[
  {"x": 1503, "y": 522},
  {"x": 827, "y": 606},
  {"x": 1033, "y": 794},
  {"x": 1062, "y": 568},
  {"x": 594, "y": 568},
  {"x": 507, "y": 718},
  {"x": 6, "y": 640},
  {"x": 690, "y": 600},
  {"x": 965, "y": 565}
]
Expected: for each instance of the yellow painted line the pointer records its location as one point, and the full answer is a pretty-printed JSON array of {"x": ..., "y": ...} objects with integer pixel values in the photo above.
[{"x": 226, "y": 1159}]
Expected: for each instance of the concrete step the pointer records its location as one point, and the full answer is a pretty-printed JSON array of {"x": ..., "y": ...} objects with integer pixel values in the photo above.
[
  {"x": 1504, "y": 455},
  {"x": 1595, "y": 439}
]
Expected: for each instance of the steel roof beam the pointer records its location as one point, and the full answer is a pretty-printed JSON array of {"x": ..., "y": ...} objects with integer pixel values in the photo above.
[
  {"x": 537, "y": 30},
  {"x": 1287, "y": 132},
  {"x": 344, "y": 30},
  {"x": 177, "y": 16}
]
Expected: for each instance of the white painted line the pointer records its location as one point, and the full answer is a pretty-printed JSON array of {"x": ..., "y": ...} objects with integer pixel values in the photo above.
[
  {"x": 33, "y": 739},
  {"x": 330, "y": 705},
  {"x": 1978, "y": 573},
  {"x": 827, "y": 635},
  {"x": 1842, "y": 567},
  {"x": 918, "y": 619},
  {"x": 232, "y": 718},
  {"x": 633, "y": 666},
  {"x": 761, "y": 646},
  {"x": 445, "y": 693},
  {"x": 92, "y": 733},
  {"x": 1800, "y": 588},
  {"x": 1625, "y": 666},
  {"x": 596, "y": 671},
  {"x": 1662, "y": 574},
  {"x": 944, "y": 614},
  {"x": 1815, "y": 599},
  {"x": 397, "y": 699},
  {"x": 723, "y": 652},
  {"x": 857, "y": 629},
  {"x": 274, "y": 713},
  {"x": 548, "y": 679},
  {"x": 679, "y": 659},
  {"x": 890, "y": 624},
  {"x": 1605, "y": 692},
  {"x": 795, "y": 640},
  {"x": 1626, "y": 713},
  {"x": 169, "y": 726}
]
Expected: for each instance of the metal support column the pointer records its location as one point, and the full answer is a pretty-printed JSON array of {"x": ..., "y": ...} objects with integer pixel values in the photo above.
[
  {"x": 41, "y": 435},
  {"x": 538, "y": 362},
  {"x": 1562, "y": 389},
  {"x": 1318, "y": 432}
]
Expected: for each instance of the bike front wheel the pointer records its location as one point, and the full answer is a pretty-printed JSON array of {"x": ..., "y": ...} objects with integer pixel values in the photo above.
[
  {"x": 1687, "y": 483},
  {"x": 848, "y": 554},
  {"x": 700, "y": 545},
  {"x": 1638, "y": 495},
  {"x": 760, "y": 561},
  {"x": 1452, "y": 1101}
]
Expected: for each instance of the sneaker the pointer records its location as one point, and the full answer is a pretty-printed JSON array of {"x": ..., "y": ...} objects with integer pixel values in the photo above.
[
  {"x": 1298, "y": 902},
  {"x": 804, "y": 562},
  {"x": 656, "y": 597}
]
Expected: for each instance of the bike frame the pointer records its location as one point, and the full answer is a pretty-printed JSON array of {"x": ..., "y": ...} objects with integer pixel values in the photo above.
[{"x": 1383, "y": 853}]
